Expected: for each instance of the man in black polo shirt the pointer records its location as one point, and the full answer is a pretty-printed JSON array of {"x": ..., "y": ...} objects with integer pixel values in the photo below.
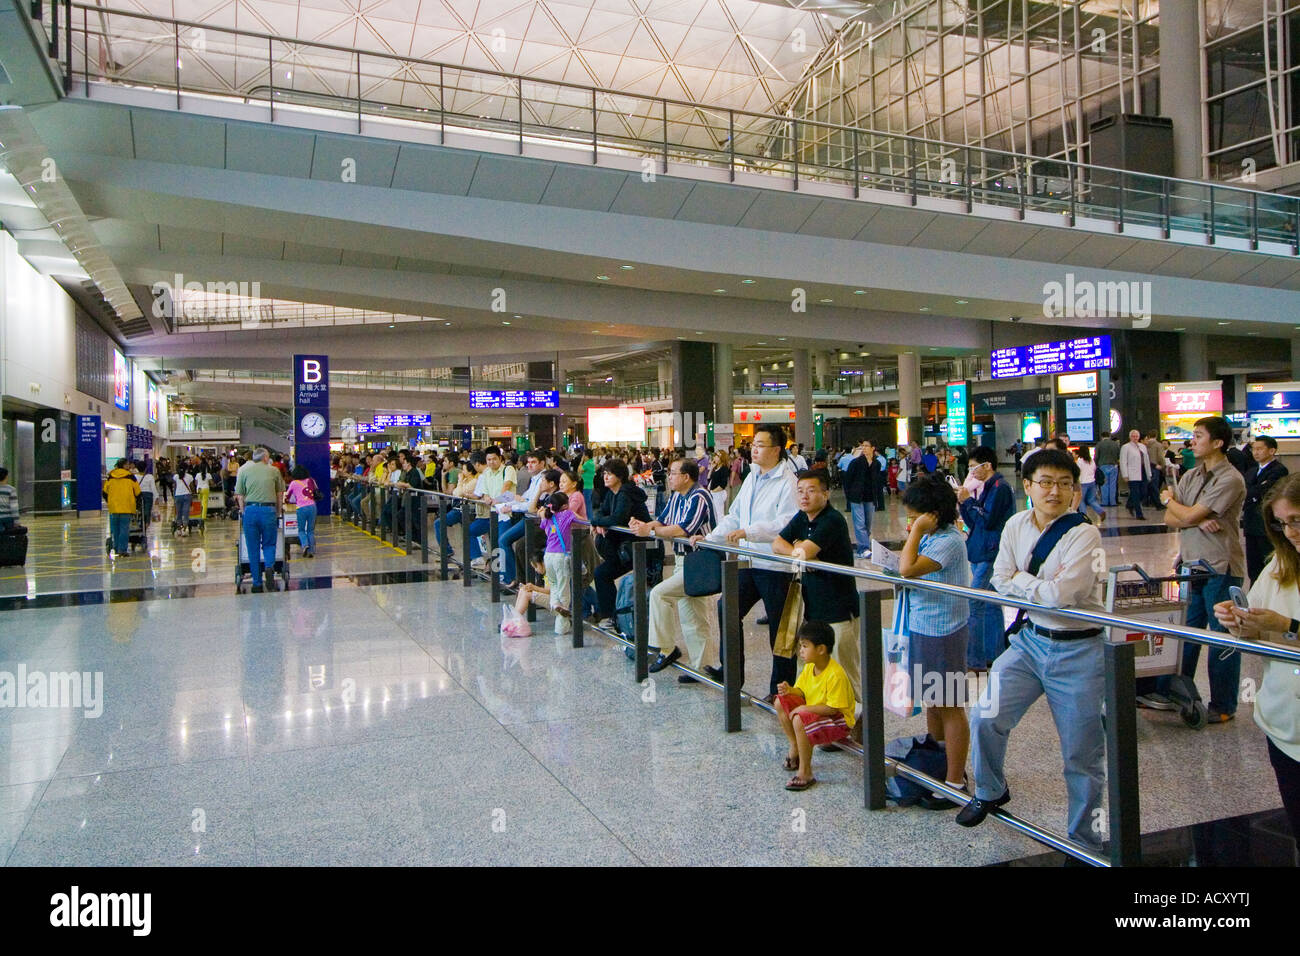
[{"x": 819, "y": 533}]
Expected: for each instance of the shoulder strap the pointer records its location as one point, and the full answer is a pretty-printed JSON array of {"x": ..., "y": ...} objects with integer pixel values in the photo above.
[{"x": 1052, "y": 537}]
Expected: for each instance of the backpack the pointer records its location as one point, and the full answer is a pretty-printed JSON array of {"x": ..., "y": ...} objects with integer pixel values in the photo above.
[
  {"x": 922, "y": 753},
  {"x": 1101, "y": 478}
]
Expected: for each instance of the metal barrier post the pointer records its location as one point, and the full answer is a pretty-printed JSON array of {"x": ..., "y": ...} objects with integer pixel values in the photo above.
[
  {"x": 443, "y": 545},
  {"x": 494, "y": 555},
  {"x": 523, "y": 573},
  {"x": 1123, "y": 799},
  {"x": 576, "y": 590},
  {"x": 871, "y": 650},
  {"x": 466, "y": 575},
  {"x": 370, "y": 498},
  {"x": 733, "y": 676},
  {"x": 640, "y": 611},
  {"x": 422, "y": 516},
  {"x": 392, "y": 503}
]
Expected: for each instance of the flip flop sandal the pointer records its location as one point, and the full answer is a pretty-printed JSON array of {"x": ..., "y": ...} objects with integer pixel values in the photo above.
[
  {"x": 797, "y": 784},
  {"x": 791, "y": 764}
]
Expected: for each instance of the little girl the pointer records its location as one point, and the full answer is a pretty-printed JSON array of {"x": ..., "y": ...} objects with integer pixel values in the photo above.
[{"x": 557, "y": 521}]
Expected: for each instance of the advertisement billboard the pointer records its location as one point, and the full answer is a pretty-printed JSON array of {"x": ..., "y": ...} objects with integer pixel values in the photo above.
[
  {"x": 616, "y": 426},
  {"x": 153, "y": 403},
  {"x": 121, "y": 382},
  {"x": 958, "y": 421}
]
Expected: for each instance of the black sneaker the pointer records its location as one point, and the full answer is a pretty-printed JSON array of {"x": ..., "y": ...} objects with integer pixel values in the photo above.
[
  {"x": 687, "y": 679},
  {"x": 665, "y": 660},
  {"x": 270, "y": 581},
  {"x": 973, "y": 814},
  {"x": 714, "y": 673}
]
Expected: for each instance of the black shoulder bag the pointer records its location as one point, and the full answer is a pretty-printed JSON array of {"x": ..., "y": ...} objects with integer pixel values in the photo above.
[{"x": 1042, "y": 548}]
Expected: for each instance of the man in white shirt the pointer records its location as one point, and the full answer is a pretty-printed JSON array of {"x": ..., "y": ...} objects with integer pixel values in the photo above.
[
  {"x": 797, "y": 459},
  {"x": 1135, "y": 468},
  {"x": 1050, "y": 655},
  {"x": 763, "y": 506}
]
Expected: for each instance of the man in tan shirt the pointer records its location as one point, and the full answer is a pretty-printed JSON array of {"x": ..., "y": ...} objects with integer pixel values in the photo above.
[{"x": 1206, "y": 510}]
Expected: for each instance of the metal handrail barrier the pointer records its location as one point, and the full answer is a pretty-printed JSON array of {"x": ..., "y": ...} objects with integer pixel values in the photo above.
[
  {"x": 1120, "y": 697},
  {"x": 939, "y": 169}
]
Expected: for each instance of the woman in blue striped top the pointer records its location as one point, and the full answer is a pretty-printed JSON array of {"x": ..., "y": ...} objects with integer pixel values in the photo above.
[{"x": 937, "y": 623}]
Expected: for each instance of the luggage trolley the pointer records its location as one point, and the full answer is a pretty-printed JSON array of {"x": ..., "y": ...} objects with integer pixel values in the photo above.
[
  {"x": 135, "y": 536},
  {"x": 1163, "y": 600},
  {"x": 281, "y": 566}
]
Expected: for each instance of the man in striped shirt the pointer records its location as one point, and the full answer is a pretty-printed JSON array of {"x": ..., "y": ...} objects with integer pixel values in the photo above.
[{"x": 689, "y": 511}]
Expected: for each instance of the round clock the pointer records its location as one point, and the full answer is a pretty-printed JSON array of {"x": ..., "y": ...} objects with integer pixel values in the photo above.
[{"x": 313, "y": 425}]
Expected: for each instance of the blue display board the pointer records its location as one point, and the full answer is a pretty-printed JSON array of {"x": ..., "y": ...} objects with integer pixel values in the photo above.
[
  {"x": 1271, "y": 402},
  {"x": 311, "y": 418},
  {"x": 1053, "y": 358},
  {"x": 401, "y": 421},
  {"x": 90, "y": 462},
  {"x": 958, "y": 421},
  {"x": 496, "y": 398}
]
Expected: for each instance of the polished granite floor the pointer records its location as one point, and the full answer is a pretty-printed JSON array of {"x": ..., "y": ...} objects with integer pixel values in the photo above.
[{"x": 389, "y": 723}]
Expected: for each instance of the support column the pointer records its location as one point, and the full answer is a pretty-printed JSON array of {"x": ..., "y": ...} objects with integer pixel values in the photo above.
[
  {"x": 691, "y": 383},
  {"x": 1295, "y": 359},
  {"x": 803, "y": 406},
  {"x": 723, "y": 398},
  {"x": 665, "y": 377},
  {"x": 1193, "y": 357},
  {"x": 1180, "y": 85},
  {"x": 822, "y": 370},
  {"x": 753, "y": 375},
  {"x": 1238, "y": 393},
  {"x": 909, "y": 384}
]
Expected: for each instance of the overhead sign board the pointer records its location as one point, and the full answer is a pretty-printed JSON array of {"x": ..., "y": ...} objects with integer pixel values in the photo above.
[
  {"x": 488, "y": 399},
  {"x": 1053, "y": 358}
]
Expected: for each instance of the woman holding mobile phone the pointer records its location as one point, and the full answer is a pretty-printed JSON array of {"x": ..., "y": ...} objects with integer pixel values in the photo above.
[{"x": 1273, "y": 616}]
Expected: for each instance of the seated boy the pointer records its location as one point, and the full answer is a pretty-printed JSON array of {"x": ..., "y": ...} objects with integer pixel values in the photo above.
[{"x": 819, "y": 709}]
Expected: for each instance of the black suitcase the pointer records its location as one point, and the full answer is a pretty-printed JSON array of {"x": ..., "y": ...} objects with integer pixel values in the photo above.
[{"x": 13, "y": 546}]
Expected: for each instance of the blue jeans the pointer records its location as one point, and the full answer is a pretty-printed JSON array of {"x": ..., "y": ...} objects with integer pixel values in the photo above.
[
  {"x": 863, "y": 512},
  {"x": 985, "y": 620},
  {"x": 183, "y": 510},
  {"x": 586, "y": 494},
  {"x": 1203, "y": 592},
  {"x": 119, "y": 526},
  {"x": 259, "y": 539},
  {"x": 1089, "y": 497},
  {"x": 506, "y": 537},
  {"x": 307, "y": 527},
  {"x": 477, "y": 528},
  {"x": 453, "y": 517},
  {"x": 1110, "y": 491},
  {"x": 1073, "y": 676}
]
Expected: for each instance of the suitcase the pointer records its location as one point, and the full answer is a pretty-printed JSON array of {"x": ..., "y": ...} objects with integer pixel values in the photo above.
[{"x": 13, "y": 546}]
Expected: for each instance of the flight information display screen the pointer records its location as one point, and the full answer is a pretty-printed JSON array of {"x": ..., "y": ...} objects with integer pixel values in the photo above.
[
  {"x": 510, "y": 399},
  {"x": 401, "y": 421},
  {"x": 1053, "y": 358}
]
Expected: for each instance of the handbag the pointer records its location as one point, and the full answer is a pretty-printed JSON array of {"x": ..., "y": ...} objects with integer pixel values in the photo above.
[
  {"x": 898, "y": 687},
  {"x": 702, "y": 572},
  {"x": 787, "y": 635},
  {"x": 313, "y": 490}
]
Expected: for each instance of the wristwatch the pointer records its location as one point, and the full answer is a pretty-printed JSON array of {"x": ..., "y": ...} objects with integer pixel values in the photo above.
[{"x": 1292, "y": 630}]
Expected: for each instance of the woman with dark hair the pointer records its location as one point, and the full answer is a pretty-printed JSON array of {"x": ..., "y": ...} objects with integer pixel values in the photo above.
[
  {"x": 1274, "y": 617},
  {"x": 301, "y": 492},
  {"x": 622, "y": 502},
  {"x": 936, "y": 624},
  {"x": 183, "y": 490},
  {"x": 1088, "y": 493}
]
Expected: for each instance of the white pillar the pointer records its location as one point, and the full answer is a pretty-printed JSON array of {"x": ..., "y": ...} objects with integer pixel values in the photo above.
[
  {"x": 909, "y": 385},
  {"x": 803, "y": 406}
]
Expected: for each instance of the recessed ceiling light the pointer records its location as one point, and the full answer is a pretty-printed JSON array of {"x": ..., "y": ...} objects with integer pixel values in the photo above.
[
  {"x": 933, "y": 349},
  {"x": 446, "y": 323},
  {"x": 603, "y": 278},
  {"x": 1252, "y": 333},
  {"x": 720, "y": 291},
  {"x": 825, "y": 301},
  {"x": 505, "y": 321},
  {"x": 864, "y": 353},
  {"x": 963, "y": 301},
  {"x": 1180, "y": 329},
  {"x": 699, "y": 333},
  {"x": 1224, "y": 323},
  {"x": 780, "y": 338},
  {"x": 748, "y": 281},
  {"x": 762, "y": 343},
  {"x": 859, "y": 291},
  {"x": 925, "y": 308},
  {"x": 627, "y": 268},
  {"x": 518, "y": 316}
]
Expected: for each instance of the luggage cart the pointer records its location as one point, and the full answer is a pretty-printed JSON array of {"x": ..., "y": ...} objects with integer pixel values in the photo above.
[
  {"x": 135, "y": 535},
  {"x": 216, "y": 501},
  {"x": 195, "y": 519},
  {"x": 1163, "y": 600},
  {"x": 290, "y": 525},
  {"x": 281, "y": 566}
]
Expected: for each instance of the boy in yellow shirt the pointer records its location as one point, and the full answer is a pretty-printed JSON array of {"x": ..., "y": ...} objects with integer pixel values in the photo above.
[{"x": 819, "y": 709}]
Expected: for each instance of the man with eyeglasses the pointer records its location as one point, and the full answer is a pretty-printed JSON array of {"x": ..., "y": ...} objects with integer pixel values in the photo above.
[
  {"x": 985, "y": 516},
  {"x": 763, "y": 506},
  {"x": 1206, "y": 510},
  {"x": 1049, "y": 655},
  {"x": 689, "y": 511}
]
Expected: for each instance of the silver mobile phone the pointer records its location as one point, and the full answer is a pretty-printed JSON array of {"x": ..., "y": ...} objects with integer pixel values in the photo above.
[{"x": 1239, "y": 598}]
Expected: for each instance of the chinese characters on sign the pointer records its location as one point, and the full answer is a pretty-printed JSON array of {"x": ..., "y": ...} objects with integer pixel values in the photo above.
[
  {"x": 498, "y": 399},
  {"x": 1053, "y": 358}
]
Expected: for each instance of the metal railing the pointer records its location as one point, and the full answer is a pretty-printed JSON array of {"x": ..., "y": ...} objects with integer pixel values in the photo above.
[
  {"x": 94, "y": 44},
  {"x": 1123, "y": 801}
]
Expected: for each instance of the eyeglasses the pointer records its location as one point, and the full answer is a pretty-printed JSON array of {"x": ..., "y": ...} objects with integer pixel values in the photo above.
[
  {"x": 1066, "y": 484},
  {"x": 1291, "y": 523}
]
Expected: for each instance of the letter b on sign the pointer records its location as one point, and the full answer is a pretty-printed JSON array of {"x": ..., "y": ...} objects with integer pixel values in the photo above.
[{"x": 311, "y": 371}]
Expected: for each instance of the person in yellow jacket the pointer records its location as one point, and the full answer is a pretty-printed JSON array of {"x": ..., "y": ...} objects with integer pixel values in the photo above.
[{"x": 121, "y": 492}]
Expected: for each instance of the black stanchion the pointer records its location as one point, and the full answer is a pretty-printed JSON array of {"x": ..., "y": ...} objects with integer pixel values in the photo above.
[
  {"x": 1123, "y": 801},
  {"x": 466, "y": 575},
  {"x": 733, "y": 676},
  {"x": 524, "y": 574},
  {"x": 640, "y": 611},
  {"x": 494, "y": 555},
  {"x": 443, "y": 546},
  {"x": 422, "y": 519},
  {"x": 871, "y": 650},
  {"x": 408, "y": 519},
  {"x": 576, "y": 589},
  {"x": 391, "y": 506}
]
